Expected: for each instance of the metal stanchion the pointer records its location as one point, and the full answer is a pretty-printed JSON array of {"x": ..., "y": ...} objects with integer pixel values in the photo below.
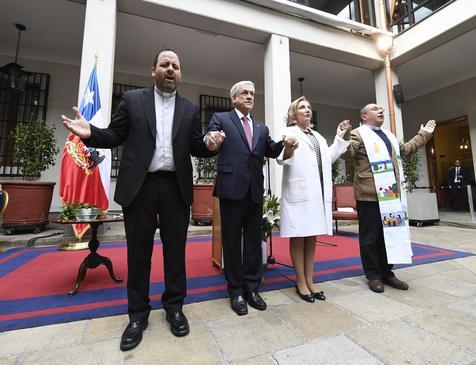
[{"x": 470, "y": 203}]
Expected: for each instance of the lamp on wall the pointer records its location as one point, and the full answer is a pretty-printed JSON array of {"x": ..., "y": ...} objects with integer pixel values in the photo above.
[
  {"x": 464, "y": 144},
  {"x": 12, "y": 77}
]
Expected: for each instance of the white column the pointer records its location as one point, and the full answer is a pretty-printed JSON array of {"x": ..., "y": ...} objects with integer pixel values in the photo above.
[
  {"x": 379, "y": 6},
  {"x": 99, "y": 39},
  {"x": 381, "y": 98},
  {"x": 277, "y": 95}
]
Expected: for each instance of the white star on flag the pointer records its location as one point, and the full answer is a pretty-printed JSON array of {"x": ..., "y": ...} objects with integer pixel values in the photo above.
[{"x": 89, "y": 97}]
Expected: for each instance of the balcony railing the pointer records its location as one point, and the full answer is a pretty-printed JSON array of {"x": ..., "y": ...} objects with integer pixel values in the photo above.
[
  {"x": 406, "y": 13},
  {"x": 402, "y": 13},
  {"x": 362, "y": 11}
]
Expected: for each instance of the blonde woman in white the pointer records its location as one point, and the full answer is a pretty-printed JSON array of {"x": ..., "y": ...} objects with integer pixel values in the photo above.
[{"x": 306, "y": 198}]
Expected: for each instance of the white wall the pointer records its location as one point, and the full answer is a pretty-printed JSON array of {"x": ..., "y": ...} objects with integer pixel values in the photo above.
[{"x": 442, "y": 105}]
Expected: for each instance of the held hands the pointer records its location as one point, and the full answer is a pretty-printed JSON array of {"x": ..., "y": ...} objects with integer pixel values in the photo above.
[
  {"x": 214, "y": 139},
  {"x": 343, "y": 128},
  {"x": 290, "y": 142},
  {"x": 429, "y": 126},
  {"x": 79, "y": 126}
]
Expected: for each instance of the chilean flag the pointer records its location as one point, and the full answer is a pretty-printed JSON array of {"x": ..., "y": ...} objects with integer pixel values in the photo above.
[{"x": 85, "y": 172}]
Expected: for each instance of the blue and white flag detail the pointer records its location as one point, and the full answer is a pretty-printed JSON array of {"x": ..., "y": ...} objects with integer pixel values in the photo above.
[{"x": 91, "y": 102}]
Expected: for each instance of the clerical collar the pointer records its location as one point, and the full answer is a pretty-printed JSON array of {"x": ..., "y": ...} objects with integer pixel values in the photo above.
[
  {"x": 164, "y": 94},
  {"x": 373, "y": 127}
]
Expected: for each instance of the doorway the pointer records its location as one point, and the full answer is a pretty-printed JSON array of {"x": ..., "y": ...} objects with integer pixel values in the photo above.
[{"x": 451, "y": 142}]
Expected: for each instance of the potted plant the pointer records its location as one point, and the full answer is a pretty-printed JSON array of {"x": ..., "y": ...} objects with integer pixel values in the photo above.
[
  {"x": 202, "y": 206},
  {"x": 30, "y": 200},
  {"x": 422, "y": 204},
  {"x": 270, "y": 222}
]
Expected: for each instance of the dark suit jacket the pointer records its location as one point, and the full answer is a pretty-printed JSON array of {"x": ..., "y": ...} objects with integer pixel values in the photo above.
[
  {"x": 451, "y": 176},
  {"x": 240, "y": 168},
  {"x": 134, "y": 123}
]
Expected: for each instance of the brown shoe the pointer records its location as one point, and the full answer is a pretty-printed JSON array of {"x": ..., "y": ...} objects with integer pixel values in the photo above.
[
  {"x": 395, "y": 283},
  {"x": 376, "y": 286}
]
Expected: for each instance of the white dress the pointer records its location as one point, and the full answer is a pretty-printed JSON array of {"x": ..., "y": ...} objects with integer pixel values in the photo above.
[{"x": 304, "y": 211}]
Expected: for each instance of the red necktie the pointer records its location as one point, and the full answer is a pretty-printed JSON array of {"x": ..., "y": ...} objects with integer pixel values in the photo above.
[{"x": 247, "y": 128}]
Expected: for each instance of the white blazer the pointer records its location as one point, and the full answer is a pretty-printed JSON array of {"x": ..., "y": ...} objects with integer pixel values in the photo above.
[{"x": 304, "y": 210}]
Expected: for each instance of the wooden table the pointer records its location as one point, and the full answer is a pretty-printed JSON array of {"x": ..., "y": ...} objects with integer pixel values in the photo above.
[{"x": 93, "y": 260}]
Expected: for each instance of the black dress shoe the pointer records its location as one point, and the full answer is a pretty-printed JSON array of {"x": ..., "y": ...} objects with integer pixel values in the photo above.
[
  {"x": 238, "y": 305},
  {"x": 306, "y": 297},
  {"x": 376, "y": 286},
  {"x": 395, "y": 283},
  {"x": 132, "y": 335},
  {"x": 255, "y": 301},
  {"x": 178, "y": 323},
  {"x": 319, "y": 295}
]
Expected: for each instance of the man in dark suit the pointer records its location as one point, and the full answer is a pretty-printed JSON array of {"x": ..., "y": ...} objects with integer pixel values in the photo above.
[
  {"x": 239, "y": 185},
  {"x": 160, "y": 129},
  {"x": 458, "y": 178}
]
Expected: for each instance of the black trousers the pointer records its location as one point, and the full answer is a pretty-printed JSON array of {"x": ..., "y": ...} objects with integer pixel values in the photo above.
[
  {"x": 243, "y": 266},
  {"x": 459, "y": 192},
  {"x": 371, "y": 240},
  {"x": 158, "y": 194}
]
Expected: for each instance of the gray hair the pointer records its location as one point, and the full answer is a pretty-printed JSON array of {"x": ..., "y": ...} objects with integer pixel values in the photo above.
[{"x": 234, "y": 89}]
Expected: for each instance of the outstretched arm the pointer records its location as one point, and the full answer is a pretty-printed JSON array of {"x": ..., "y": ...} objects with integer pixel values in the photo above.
[{"x": 423, "y": 136}]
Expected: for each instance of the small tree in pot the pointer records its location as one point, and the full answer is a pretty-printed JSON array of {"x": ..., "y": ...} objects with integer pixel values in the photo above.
[
  {"x": 205, "y": 173},
  {"x": 29, "y": 201},
  {"x": 35, "y": 148},
  {"x": 411, "y": 165}
]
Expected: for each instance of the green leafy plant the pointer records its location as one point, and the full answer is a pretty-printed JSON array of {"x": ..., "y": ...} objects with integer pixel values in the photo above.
[
  {"x": 411, "y": 165},
  {"x": 205, "y": 170},
  {"x": 67, "y": 210},
  {"x": 337, "y": 177},
  {"x": 35, "y": 148},
  {"x": 271, "y": 216}
]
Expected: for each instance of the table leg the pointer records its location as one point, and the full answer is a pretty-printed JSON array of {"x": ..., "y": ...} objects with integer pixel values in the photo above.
[
  {"x": 108, "y": 263},
  {"x": 93, "y": 260},
  {"x": 81, "y": 274}
]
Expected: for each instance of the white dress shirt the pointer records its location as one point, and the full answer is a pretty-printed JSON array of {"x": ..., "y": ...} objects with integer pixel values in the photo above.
[
  {"x": 456, "y": 174},
  {"x": 163, "y": 158}
]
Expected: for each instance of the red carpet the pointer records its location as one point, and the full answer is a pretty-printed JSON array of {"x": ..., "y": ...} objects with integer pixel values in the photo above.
[{"x": 34, "y": 281}]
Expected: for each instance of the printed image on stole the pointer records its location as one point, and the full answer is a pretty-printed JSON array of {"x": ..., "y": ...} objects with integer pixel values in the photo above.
[{"x": 392, "y": 201}]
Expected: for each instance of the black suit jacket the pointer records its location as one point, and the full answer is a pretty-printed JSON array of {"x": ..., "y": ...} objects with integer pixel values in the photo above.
[
  {"x": 134, "y": 124},
  {"x": 462, "y": 172},
  {"x": 239, "y": 167}
]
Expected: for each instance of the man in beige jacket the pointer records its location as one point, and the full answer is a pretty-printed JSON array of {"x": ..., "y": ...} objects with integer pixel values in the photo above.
[{"x": 371, "y": 238}]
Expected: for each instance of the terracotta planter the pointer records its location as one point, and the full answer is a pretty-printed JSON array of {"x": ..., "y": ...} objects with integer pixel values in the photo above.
[
  {"x": 202, "y": 206},
  {"x": 28, "y": 205}
]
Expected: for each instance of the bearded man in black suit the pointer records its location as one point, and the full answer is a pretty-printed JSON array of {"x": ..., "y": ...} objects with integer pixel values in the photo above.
[{"x": 160, "y": 129}]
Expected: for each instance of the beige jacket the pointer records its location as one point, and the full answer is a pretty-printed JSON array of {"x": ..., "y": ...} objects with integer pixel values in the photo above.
[{"x": 364, "y": 186}]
